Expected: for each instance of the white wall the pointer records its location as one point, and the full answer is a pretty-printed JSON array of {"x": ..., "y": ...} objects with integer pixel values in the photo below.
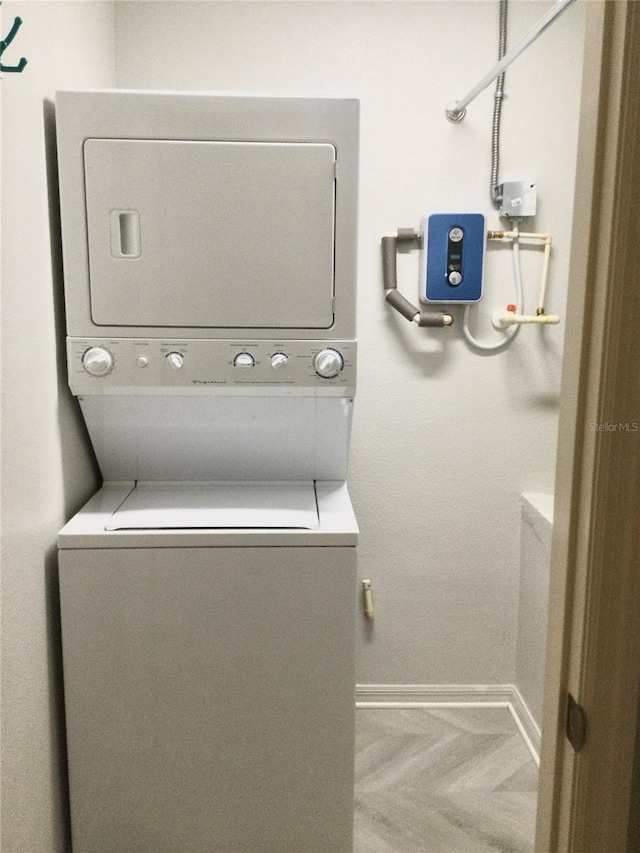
[
  {"x": 444, "y": 439},
  {"x": 47, "y": 468}
]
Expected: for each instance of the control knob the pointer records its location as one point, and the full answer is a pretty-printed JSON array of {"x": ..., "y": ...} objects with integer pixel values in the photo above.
[
  {"x": 244, "y": 360},
  {"x": 328, "y": 363},
  {"x": 175, "y": 360},
  {"x": 97, "y": 361},
  {"x": 279, "y": 360}
]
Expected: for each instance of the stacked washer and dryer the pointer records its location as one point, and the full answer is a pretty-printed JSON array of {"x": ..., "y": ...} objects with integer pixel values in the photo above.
[{"x": 208, "y": 589}]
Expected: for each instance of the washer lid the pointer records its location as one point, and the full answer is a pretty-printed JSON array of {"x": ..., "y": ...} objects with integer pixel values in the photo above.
[{"x": 218, "y": 505}]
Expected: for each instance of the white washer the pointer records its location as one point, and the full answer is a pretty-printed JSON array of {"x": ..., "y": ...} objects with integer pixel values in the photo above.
[
  {"x": 208, "y": 590},
  {"x": 209, "y": 678}
]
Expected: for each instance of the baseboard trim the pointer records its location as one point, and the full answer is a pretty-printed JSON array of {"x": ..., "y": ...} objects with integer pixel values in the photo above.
[
  {"x": 455, "y": 696},
  {"x": 525, "y": 721}
]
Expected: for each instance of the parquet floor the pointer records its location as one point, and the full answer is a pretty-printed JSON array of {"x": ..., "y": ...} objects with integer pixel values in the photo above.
[{"x": 455, "y": 780}]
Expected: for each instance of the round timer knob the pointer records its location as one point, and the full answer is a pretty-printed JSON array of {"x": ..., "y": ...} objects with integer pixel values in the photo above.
[
  {"x": 328, "y": 363},
  {"x": 175, "y": 360},
  {"x": 97, "y": 361},
  {"x": 279, "y": 360},
  {"x": 244, "y": 360}
]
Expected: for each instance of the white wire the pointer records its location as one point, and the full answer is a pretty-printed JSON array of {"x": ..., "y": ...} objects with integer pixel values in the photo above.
[{"x": 512, "y": 331}]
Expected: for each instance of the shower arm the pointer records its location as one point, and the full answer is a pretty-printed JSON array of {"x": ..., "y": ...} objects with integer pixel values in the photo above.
[{"x": 456, "y": 110}]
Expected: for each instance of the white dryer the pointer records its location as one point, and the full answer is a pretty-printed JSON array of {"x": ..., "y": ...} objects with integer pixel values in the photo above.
[{"x": 208, "y": 590}]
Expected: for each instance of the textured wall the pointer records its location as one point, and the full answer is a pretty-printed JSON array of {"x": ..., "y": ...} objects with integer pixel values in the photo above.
[
  {"x": 47, "y": 467},
  {"x": 444, "y": 440}
]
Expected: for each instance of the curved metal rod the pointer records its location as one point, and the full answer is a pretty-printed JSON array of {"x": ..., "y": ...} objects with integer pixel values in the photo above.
[{"x": 456, "y": 110}]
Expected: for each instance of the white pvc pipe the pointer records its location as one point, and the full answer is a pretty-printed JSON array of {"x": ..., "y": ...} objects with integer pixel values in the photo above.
[
  {"x": 543, "y": 280},
  {"x": 547, "y": 240},
  {"x": 456, "y": 109},
  {"x": 511, "y": 235},
  {"x": 504, "y": 319}
]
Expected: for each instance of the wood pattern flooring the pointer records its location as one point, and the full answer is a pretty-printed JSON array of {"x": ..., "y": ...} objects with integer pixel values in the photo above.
[{"x": 455, "y": 780}]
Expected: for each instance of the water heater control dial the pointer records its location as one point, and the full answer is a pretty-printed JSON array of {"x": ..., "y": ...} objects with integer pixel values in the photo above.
[
  {"x": 97, "y": 361},
  {"x": 328, "y": 363}
]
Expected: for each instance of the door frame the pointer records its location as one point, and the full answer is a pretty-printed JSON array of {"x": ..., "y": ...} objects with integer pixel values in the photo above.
[{"x": 588, "y": 800}]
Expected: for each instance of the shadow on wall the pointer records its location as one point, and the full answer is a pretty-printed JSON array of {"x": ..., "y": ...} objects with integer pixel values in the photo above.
[
  {"x": 71, "y": 423},
  {"x": 77, "y": 487},
  {"x": 56, "y": 693}
]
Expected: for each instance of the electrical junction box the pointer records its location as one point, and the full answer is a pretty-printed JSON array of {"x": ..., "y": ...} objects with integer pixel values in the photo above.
[
  {"x": 518, "y": 199},
  {"x": 452, "y": 259}
]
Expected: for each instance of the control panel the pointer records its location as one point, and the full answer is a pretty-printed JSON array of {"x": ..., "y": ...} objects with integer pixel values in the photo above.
[
  {"x": 126, "y": 365},
  {"x": 452, "y": 261},
  {"x": 455, "y": 248}
]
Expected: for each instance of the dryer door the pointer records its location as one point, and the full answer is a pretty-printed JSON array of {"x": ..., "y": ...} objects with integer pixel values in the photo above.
[{"x": 210, "y": 234}]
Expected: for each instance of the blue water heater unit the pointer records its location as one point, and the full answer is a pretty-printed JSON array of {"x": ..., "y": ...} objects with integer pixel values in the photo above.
[{"x": 452, "y": 262}]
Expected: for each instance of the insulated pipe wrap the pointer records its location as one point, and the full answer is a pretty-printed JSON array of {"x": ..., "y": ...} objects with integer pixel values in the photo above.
[
  {"x": 407, "y": 235},
  {"x": 390, "y": 278},
  {"x": 433, "y": 319},
  {"x": 389, "y": 263},
  {"x": 402, "y": 305}
]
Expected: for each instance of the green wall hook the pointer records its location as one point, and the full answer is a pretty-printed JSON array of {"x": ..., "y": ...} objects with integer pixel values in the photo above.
[{"x": 4, "y": 44}]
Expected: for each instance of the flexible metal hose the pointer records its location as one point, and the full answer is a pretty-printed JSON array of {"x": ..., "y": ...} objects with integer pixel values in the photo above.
[{"x": 497, "y": 105}]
